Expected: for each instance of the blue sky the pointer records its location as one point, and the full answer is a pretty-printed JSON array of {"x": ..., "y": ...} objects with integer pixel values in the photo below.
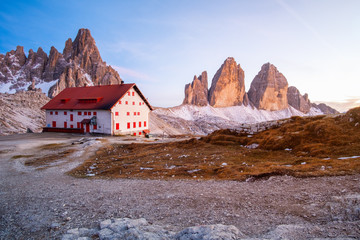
[{"x": 161, "y": 45}]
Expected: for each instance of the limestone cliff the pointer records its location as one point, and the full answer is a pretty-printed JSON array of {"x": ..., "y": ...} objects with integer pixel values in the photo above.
[
  {"x": 196, "y": 93},
  {"x": 298, "y": 101},
  {"x": 228, "y": 87},
  {"x": 268, "y": 90}
]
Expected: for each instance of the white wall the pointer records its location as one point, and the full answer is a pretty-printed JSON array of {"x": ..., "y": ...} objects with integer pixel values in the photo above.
[
  {"x": 103, "y": 119},
  {"x": 123, "y": 119}
]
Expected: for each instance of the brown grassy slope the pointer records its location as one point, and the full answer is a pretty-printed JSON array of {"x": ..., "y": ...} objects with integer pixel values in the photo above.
[
  {"x": 313, "y": 146},
  {"x": 319, "y": 136}
]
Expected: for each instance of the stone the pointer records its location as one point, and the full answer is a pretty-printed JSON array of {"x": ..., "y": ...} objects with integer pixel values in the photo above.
[
  {"x": 105, "y": 223},
  {"x": 298, "y": 101},
  {"x": 209, "y": 232},
  {"x": 228, "y": 86},
  {"x": 105, "y": 233},
  {"x": 196, "y": 93},
  {"x": 268, "y": 90}
]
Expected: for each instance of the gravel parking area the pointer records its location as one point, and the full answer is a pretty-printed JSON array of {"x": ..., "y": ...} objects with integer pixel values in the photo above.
[{"x": 45, "y": 203}]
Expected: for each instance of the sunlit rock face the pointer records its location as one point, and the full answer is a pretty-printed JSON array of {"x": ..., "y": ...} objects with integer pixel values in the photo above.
[
  {"x": 228, "y": 87},
  {"x": 196, "y": 93},
  {"x": 268, "y": 90}
]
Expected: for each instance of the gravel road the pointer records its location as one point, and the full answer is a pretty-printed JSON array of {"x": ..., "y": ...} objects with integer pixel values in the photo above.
[{"x": 44, "y": 204}]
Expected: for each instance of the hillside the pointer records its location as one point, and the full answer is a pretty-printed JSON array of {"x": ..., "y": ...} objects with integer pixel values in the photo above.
[{"x": 301, "y": 147}]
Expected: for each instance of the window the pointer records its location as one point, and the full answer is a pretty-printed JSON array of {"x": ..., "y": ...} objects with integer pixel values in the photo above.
[
  {"x": 133, "y": 93},
  {"x": 78, "y": 125},
  {"x": 138, "y": 114},
  {"x": 65, "y": 113},
  {"x": 134, "y": 124},
  {"x": 116, "y": 113},
  {"x": 71, "y": 117},
  {"x": 129, "y": 93},
  {"x": 89, "y": 113},
  {"x": 95, "y": 127},
  {"x": 65, "y": 124},
  {"x": 128, "y": 113},
  {"x": 144, "y": 123},
  {"x": 85, "y": 113},
  {"x": 53, "y": 123},
  {"x": 51, "y": 113},
  {"x": 126, "y": 102},
  {"x": 117, "y": 126},
  {"x": 119, "y": 102},
  {"x": 133, "y": 103},
  {"x": 139, "y": 133},
  {"x": 128, "y": 125},
  {"x": 134, "y": 134},
  {"x": 71, "y": 126},
  {"x": 139, "y": 103},
  {"x": 139, "y": 124},
  {"x": 94, "y": 113},
  {"x": 79, "y": 113},
  {"x": 134, "y": 113},
  {"x": 56, "y": 113}
]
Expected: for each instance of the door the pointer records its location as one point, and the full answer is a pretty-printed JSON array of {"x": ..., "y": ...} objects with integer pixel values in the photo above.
[{"x": 87, "y": 127}]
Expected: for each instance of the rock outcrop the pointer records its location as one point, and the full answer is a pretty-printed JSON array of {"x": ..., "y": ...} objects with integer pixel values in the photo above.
[
  {"x": 125, "y": 228},
  {"x": 79, "y": 65},
  {"x": 196, "y": 93},
  {"x": 298, "y": 101},
  {"x": 20, "y": 112},
  {"x": 268, "y": 90},
  {"x": 228, "y": 87}
]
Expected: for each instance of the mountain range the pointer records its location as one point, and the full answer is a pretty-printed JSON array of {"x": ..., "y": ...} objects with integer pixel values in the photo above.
[
  {"x": 269, "y": 90},
  {"x": 79, "y": 64},
  {"x": 225, "y": 104}
]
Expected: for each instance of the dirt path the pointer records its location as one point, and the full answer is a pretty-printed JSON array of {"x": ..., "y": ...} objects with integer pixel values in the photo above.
[{"x": 43, "y": 204}]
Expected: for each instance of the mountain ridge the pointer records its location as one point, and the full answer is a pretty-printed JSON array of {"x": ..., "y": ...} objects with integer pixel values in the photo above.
[
  {"x": 269, "y": 90},
  {"x": 79, "y": 64}
]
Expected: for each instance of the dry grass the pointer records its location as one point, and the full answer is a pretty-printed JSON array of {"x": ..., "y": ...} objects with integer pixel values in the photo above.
[
  {"x": 303, "y": 147},
  {"x": 47, "y": 160}
]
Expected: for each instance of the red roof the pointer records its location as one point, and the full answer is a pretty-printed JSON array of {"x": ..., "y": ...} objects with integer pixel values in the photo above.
[{"x": 96, "y": 97}]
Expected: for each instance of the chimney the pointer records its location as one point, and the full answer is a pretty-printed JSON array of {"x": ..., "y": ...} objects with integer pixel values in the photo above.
[{"x": 122, "y": 82}]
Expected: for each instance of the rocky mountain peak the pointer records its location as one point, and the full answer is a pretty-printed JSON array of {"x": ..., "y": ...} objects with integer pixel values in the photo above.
[
  {"x": 79, "y": 65},
  {"x": 268, "y": 90},
  {"x": 196, "y": 93},
  {"x": 228, "y": 87},
  {"x": 84, "y": 44},
  {"x": 298, "y": 101}
]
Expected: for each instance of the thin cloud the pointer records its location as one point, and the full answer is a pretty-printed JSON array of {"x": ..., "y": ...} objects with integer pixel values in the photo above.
[
  {"x": 132, "y": 74},
  {"x": 302, "y": 21}
]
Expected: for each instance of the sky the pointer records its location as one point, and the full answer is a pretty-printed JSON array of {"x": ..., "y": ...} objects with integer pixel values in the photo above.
[{"x": 161, "y": 44}]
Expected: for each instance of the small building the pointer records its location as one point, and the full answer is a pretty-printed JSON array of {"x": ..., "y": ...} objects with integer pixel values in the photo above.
[{"x": 107, "y": 109}]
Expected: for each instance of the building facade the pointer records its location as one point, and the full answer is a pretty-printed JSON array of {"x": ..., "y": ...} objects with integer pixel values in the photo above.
[{"x": 110, "y": 109}]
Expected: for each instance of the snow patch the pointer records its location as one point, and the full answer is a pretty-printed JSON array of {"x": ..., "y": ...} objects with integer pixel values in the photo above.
[
  {"x": 343, "y": 158},
  {"x": 45, "y": 86}
]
